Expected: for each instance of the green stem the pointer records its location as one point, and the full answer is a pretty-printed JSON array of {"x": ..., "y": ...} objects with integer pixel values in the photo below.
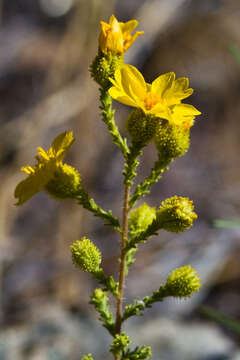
[
  {"x": 108, "y": 118},
  {"x": 131, "y": 164},
  {"x": 122, "y": 261}
]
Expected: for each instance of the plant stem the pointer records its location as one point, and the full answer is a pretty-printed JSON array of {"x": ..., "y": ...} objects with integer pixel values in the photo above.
[{"x": 123, "y": 260}]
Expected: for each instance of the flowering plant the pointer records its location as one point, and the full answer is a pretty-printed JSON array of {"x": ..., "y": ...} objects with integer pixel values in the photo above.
[{"x": 159, "y": 115}]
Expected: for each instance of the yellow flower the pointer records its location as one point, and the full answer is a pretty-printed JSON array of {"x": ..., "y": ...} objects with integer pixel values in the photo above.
[
  {"x": 48, "y": 162},
  {"x": 162, "y": 98},
  {"x": 116, "y": 37}
]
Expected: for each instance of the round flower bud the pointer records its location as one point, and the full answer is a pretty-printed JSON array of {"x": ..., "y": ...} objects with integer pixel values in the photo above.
[
  {"x": 176, "y": 214},
  {"x": 141, "y": 127},
  {"x": 171, "y": 141},
  {"x": 86, "y": 255},
  {"x": 65, "y": 182},
  {"x": 141, "y": 218},
  {"x": 182, "y": 282},
  {"x": 103, "y": 67},
  {"x": 98, "y": 294}
]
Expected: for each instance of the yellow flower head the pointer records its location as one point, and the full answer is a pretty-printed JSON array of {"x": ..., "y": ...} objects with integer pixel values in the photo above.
[
  {"x": 48, "y": 162},
  {"x": 162, "y": 98},
  {"x": 116, "y": 37}
]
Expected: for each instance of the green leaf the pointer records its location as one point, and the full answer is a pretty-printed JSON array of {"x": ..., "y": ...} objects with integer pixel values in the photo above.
[
  {"x": 221, "y": 319},
  {"x": 227, "y": 224},
  {"x": 235, "y": 52}
]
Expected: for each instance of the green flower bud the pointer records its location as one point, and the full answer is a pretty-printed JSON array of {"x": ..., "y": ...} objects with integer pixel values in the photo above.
[
  {"x": 171, "y": 141},
  {"x": 141, "y": 218},
  {"x": 65, "y": 182},
  {"x": 98, "y": 294},
  {"x": 141, "y": 127},
  {"x": 87, "y": 357},
  {"x": 86, "y": 255},
  {"x": 176, "y": 214},
  {"x": 119, "y": 343},
  {"x": 182, "y": 282},
  {"x": 104, "y": 66}
]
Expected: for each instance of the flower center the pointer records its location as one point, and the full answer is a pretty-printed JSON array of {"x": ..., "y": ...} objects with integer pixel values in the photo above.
[{"x": 151, "y": 100}]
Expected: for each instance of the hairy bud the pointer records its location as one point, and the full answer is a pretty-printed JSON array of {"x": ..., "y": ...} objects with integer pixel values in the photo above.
[
  {"x": 104, "y": 66},
  {"x": 176, "y": 214},
  {"x": 141, "y": 127},
  {"x": 65, "y": 182},
  {"x": 171, "y": 141},
  {"x": 182, "y": 282},
  {"x": 141, "y": 218},
  {"x": 86, "y": 255}
]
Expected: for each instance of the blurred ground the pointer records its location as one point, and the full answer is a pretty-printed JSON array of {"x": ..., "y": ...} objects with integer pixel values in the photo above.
[{"x": 45, "y": 88}]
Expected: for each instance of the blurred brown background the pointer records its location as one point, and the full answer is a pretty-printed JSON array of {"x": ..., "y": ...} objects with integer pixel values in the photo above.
[{"x": 46, "y": 47}]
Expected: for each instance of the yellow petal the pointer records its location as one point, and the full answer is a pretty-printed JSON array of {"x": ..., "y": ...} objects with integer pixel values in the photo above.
[
  {"x": 129, "y": 26},
  {"x": 186, "y": 109},
  {"x": 104, "y": 27},
  {"x": 121, "y": 97},
  {"x": 112, "y": 19},
  {"x": 178, "y": 91},
  {"x": 32, "y": 185},
  {"x": 131, "y": 76},
  {"x": 61, "y": 144},
  {"x": 161, "y": 111},
  {"x": 129, "y": 41},
  {"x": 129, "y": 86},
  {"x": 162, "y": 83},
  {"x": 184, "y": 115}
]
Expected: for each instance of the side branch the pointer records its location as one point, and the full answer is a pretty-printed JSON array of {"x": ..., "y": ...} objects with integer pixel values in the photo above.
[
  {"x": 144, "y": 188},
  {"x": 91, "y": 206},
  {"x": 138, "y": 306}
]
